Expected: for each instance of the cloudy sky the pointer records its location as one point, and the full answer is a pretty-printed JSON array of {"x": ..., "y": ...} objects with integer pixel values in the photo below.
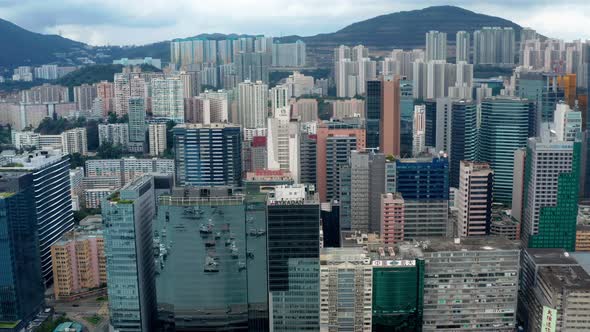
[{"x": 123, "y": 22}]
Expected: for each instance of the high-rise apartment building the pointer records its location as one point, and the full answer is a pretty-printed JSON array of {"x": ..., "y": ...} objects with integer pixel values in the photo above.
[
  {"x": 137, "y": 125},
  {"x": 168, "y": 98},
  {"x": 462, "y": 46},
  {"x": 504, "y": 129},
  {"x": 335, "y": 141},
  {"x": 436, "y": 46},
  {"x": 75, "y": 141},
  {"x": 208, "y": 155},
  {"x": 105, "y": 92},
  {"x": 128, "y": 241},
  {"x": 289, "y": 54},
  {"x": 21, "y": 285},
  {"x": 84, "y": 96},
  {"x": 126, "y": 86},
  {"x": 253, "y": 66},
  {"x": 114, "y": 133},
  {"x": 567, "y": 123},
  {"x": 126, "y": 169},
  {"x": 392, "y": 218},
  {"x": 157, "y": 138},
  {"x": 293, "y": 226},
  {"x": 551, "y": 189},
  {"x": 474, "y": 200},
  {"x": 252, "y": 104},
  {"x": 52, "y": 199},
  {"x": 494, "y": 46},
  {"x": 466, "y": 270}
]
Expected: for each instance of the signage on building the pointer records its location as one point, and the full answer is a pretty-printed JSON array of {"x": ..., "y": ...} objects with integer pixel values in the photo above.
[
  {"x": 549, "y": 320},
  {"x": 399, "y": 263}
]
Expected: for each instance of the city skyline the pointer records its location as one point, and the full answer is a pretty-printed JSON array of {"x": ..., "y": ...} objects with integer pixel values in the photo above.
[{"x": 108, "y": 23}]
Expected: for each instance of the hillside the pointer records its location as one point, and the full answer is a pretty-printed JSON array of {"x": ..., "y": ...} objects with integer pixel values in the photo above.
[
  {"x": 407, "y": 29},
  {"x": 23, "y": 47}
]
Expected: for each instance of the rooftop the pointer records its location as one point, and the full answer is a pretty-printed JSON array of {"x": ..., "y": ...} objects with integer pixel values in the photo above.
[
  {"x": 207, "y": 126},
  {"x": 293, "y": 194},
  {"x": 486, "y": 243},
  {"x": 31, "y": 160},
  {"x": 550, "y": 257},
  {"x": 570, "y": 277}
]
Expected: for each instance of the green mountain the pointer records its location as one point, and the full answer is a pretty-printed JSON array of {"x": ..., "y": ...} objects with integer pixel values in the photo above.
[
  {"x": 23, "y": 47},
  {"x": 407, "y": 29}
]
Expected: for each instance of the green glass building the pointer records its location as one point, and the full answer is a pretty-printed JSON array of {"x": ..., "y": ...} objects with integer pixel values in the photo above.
[
  {"x": 504, "y": 129},
  {"x": 398, "y": 295},
  {"x": 552, "y": 174}
]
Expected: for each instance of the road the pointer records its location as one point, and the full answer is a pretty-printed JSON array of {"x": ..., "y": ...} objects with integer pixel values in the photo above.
[{"x": 78, "y": 309}]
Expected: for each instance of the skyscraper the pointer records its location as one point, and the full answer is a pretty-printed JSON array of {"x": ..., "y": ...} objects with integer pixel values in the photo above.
[
  {"x": 252, "y": 104},
  {"x": 137, "y": 125},
  {"x": 283, "y": 142},
  {"x": 157, "y": 138},
  {"x": 504, "y": 129},
  {"x": 474, "y": 200},
  {"x": 463, "y": 136},
  {"x": 52, "y": 197},
  {"x": 21, "y": 285},
  {"x": 128, "y": 215},
  {"x": 462, "y": 46},
  {"x": 419, "y": 130},
  {"x": 252, "y": 66},
  {"x": 436, "y": 46},
  {"x": 551, "y": 193},
  {"x": 567, "y": 123},
  {"x": 208, "y": 155},
  {"x": 389, "y": 126},
  {"x": 168, "y": 98},
  {"x": 392, "y": 218},
  {"x": 373, "y": 112},
  {"x": 494, "y": 46},
  {"x": 293, "y": 219},
  {"x": 335, "y": 141}
]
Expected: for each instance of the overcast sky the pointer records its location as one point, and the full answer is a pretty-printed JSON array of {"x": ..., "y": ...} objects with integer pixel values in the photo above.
[{"x": 122, "y": 22}]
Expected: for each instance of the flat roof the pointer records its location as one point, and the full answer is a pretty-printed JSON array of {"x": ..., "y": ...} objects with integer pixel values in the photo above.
[
  {"x": 551, "y": 257},
  {"x": 470, "y": 244},
  {"x": 571, "y": 277}
]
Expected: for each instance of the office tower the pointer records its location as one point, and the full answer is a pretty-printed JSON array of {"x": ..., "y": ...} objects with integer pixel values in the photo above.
[
  {"x": 51, "y": 180},
  {"x": 542, "y": 89},
  {"x": 518, "y": 184},
  {"x": 113, "y": 133},
  {"x": 419, "y": 130},
  {"x": 252, "y": 104},
  {"x": 126, "y": 86},
  {"x": 84, "y": 96},
  {"x": 279, "y": 98},
  {"x": 389, "y": 126},
  {"x": 585, "y": 166},
  {"x": 293, "y": 221},
  {"x": 567, "y": 123},
  {"x": 359, "y": 190},
  {"x": 373, "y": 112},
  {"x": 462, "y": 46},
  {"x": 137, "y": 125},
  {"x": 74, "y": 141},
  {"x": 335, "y": 141},
  {"x": 256, "y": 159},
  {"x": 157, "y": 138},
  {"x": 126, "y": 169},
  {"x": 21, "y": 284},
  {"x": 398, "y": 290},
  {"x": 289, "y": 54},
  {"x": 430, "y": 122},
  {"x": 211, "y": 237},
  {"x": 392, "y": 218},
  {"x": 78, "y": 262},
  {"x": 424, "y": 186},
  {"x": 208, "y": 155},
  {"x": 406, "y": 118},
  {"x": 168, "y": 98},
  {"x": 504, "y": 129},
  {"x": 474, "y": 201},
  {"x": 463, "y": 137},
  {"x": 283, "y": 143},
  {"x": 128, "y": 241},
  {"x": 436, "y": 46},
  {"x": 551, "y": 187},
  {"x": 494, "y": 46},
  {"x": 464, "y": 269},
  {"x": 346, "y": 280},
  {"x": 307, "y": 158},
  {"x": 305, "y": 110},
  {"x": 553, "y": 283},
  {"x": 252, "y": 66}
]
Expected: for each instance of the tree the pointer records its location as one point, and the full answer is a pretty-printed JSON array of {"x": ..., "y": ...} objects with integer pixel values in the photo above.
[
  {"x": 92, "y": 134},
  {"x": 77, "y": 160},
  {"x": 110, "y": 151},
  {"x": 169, "y": 135}
]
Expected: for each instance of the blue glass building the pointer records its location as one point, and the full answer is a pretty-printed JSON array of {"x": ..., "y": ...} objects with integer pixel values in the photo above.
[
  {"x": 21, "y": 284},
  {"x": 430, "y": 122},
  {"x": 463, "y": 137},
  {"x": 208, "y": 155},
  {"x": 373, "y": 112}
]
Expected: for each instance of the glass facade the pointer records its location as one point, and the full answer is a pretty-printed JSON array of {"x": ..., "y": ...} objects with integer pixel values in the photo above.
[
  {"x": 504, "y": 129},
  {"x": 406, "y": 118},
  {"x": 21, "y": 285},
  {"x": 463, "y": 137},
  {"x": 294, "y": 266},
  {"x": 208, "y": 155},
  {"x": 127, "y": 216},
  {"x": 373, "y": 112},
  {"x": 430, "y": 122},
  {"x": 398, "y": 295}
]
